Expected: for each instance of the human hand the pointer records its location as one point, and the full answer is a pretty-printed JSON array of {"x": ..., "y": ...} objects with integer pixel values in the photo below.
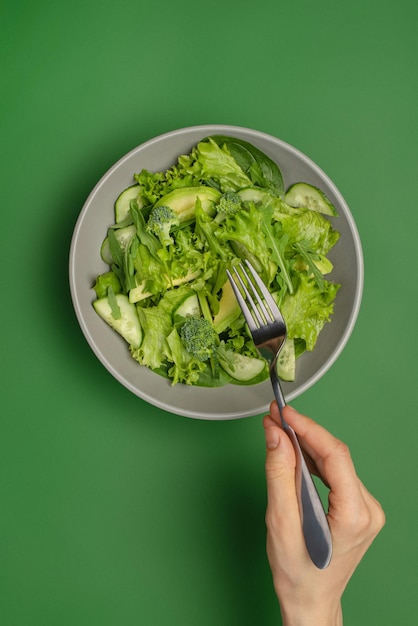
[{"x": 308, "y": 595}]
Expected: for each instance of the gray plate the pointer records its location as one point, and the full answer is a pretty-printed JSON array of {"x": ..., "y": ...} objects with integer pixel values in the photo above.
[{"x": 229, "y": 402}]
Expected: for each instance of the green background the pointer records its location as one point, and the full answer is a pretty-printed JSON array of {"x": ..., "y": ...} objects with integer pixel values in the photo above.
[{"x": 114, "y": 513}]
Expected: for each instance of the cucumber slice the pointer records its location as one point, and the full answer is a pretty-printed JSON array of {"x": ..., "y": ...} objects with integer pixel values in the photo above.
[
  {"x": 189, "y": 307},
  {"x": 123, "y": 236},
  {"x": 123, "y": 203},
  {"x": 252, "y": 194},
  {"x": 127, "y": 325},
  {"x": 241, "y": 367},
  {"x": 105, "y": 252},
  {"x": 310, "y": 197},
  {"x": 286, "y": 362}
]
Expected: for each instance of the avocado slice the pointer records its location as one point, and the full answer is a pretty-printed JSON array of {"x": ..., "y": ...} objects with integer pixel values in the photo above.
[
  {"x": 183, "y": 201},
  {"x": 229, "y": 309}
]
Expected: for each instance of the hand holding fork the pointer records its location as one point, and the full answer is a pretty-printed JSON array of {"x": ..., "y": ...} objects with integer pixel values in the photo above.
[{"x": 268, "y": 330}]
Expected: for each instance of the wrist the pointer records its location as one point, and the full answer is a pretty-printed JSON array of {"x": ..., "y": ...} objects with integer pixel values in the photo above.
[{"x": 314, "y": 616}]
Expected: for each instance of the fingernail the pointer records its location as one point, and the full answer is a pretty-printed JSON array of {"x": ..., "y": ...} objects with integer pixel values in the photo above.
[{"x": 272, "y": 438}]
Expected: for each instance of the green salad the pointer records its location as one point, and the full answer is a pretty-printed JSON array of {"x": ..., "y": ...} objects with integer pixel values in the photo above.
[{"x": 175, "y": 235}]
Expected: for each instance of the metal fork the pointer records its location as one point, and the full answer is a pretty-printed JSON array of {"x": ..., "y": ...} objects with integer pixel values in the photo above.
[{"x": 268, "y": 330}]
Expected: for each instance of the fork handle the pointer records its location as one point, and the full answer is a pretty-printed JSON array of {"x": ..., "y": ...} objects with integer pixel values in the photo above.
[{"x": 315, "y": 526}]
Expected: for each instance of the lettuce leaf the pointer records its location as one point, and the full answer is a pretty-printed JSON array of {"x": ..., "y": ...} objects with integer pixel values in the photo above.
[
  {"x": 215, "y": 166},
  {"x": 308, "y": 309},
  {"x": 312, "y": 228},
  {"x": 260, "y": 169}
]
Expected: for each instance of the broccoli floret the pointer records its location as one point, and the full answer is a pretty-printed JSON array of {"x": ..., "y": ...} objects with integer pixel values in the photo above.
[
  {"x": 229, "y": 204},
  {"x": 198, "y": 337},
  {"x": 160, "y": 221}
]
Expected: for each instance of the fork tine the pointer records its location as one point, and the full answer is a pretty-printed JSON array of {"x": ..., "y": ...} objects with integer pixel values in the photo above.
[
  {"x": 268, "y": 298},
  {"x": 268, "y": 315},
  {"x": 253, "y": 309},
  {"x": 241, "y": 300},
  {"x": 259, "y": 314}
]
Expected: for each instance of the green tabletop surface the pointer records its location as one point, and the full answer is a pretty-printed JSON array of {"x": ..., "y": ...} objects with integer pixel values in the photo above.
[{"x": 114, "y": 512}]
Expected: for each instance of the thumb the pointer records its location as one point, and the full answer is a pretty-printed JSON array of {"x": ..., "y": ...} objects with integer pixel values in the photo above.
[
  {"x": 280, "y": 468},
  {"x": 286, "y": 548}
]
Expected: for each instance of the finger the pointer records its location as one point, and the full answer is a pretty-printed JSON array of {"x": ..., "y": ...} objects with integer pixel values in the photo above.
[
  {"x": 280, "y": 474},
  {"x": 285, "y": 542},
  {"x": 312, "y": 466},
  {"x": 330, "y": 455},
  {"x": 275, "y": 414}
]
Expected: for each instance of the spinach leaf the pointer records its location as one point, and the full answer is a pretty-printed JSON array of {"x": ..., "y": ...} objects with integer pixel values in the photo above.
[{"x": 262, "y": 170}]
